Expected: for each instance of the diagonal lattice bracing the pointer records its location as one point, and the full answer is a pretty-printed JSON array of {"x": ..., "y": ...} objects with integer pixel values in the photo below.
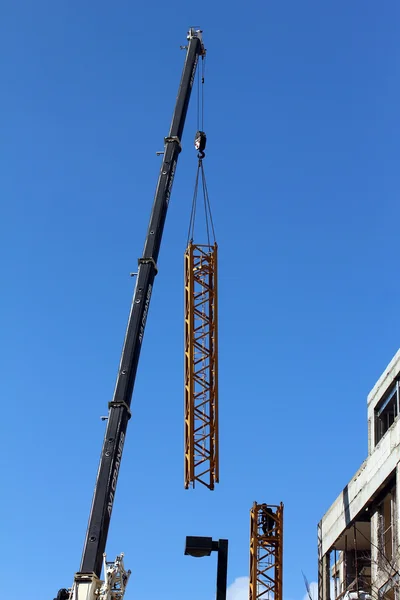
[{"x": 201, "y": 366}]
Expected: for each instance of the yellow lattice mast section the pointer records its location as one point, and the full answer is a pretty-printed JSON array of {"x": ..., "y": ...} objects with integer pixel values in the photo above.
[
  {"x": 266, "y": 551},
  {"x": 201, "y": 347},
  {"x": 201, "y": 366}
]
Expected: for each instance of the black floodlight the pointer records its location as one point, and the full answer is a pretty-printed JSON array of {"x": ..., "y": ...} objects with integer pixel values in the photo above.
[{"x": 203, "y": 546}]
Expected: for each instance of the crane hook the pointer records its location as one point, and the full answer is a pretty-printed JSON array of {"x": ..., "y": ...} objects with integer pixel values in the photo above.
[{"x": 200, "y": 141}]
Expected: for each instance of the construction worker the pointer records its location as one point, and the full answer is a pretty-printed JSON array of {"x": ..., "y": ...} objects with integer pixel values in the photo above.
[{"x": 268, "y": 521}]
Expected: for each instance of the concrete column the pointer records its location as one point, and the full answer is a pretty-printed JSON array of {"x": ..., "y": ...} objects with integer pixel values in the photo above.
[
  {"x": 396, "y": 514},
  {"x": 320, "y": 577},
  {"x": 370, "y": 433},
  {"x": 324, "y": 578},
  {"x": 374, "y": 546}
]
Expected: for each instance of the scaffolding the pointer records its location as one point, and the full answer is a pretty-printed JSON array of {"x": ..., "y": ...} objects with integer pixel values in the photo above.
[
  {"x": 266, "y": 551},
  {"x": 201, "y": 366}
]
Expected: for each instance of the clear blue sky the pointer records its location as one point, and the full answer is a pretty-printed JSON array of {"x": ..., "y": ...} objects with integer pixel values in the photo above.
[{"x": 302, "y": 117}]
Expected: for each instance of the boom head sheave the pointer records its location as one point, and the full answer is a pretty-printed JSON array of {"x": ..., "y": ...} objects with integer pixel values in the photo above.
[{"x": 197, "y": 33}]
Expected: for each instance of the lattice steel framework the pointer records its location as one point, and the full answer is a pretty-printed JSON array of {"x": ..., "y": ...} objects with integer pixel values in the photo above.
[
  {"x": 266, "y": 551},
  {"x": 201, "y": 366}
]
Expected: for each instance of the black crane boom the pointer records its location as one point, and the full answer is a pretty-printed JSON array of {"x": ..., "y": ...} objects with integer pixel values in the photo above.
[{"x": 119, "y": 407}]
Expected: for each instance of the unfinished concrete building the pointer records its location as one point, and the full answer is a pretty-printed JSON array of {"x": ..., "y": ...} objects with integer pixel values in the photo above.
[{"x": 358, "y": 537}]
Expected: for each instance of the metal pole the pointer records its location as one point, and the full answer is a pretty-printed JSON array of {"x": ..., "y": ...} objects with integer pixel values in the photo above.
[
  {"x": 355, "y": 555},
  {"x": 345, "y": 564},
  {"x": 336, "y": 574},
  {"x": 222, "y": 569}
]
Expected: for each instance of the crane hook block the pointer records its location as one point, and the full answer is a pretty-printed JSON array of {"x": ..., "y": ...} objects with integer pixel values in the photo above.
[{"x": 200, "y": 141}]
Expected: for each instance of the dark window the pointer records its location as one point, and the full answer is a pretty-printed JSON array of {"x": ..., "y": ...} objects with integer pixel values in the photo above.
[{"x": 386, "y": 411}]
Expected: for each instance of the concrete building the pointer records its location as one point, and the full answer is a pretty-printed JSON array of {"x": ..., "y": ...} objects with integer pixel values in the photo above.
[{"x": 358, "y": 537}]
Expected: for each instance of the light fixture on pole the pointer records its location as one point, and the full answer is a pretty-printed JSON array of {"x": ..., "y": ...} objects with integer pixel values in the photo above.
[{"x": 203, "y": 546}]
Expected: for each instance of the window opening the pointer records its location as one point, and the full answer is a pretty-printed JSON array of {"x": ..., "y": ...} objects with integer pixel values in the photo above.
[{"x": 386, "y": 412}]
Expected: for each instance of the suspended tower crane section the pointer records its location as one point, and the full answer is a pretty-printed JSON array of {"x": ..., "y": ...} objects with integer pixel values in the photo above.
[
  {"x": 201, "y": 366},
  {"x": 266, "y": 551}
]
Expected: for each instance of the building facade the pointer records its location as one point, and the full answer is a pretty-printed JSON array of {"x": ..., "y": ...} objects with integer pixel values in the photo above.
[{"x": 358, "y": 537}]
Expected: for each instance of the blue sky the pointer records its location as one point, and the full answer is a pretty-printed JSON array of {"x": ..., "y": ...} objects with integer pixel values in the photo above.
[{"x": 302, "y": 166}]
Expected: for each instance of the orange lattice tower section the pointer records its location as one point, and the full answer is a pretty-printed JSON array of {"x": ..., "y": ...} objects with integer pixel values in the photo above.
[
  {"x": 201, "y": 366},
  {"x": 266, "y": 552}
]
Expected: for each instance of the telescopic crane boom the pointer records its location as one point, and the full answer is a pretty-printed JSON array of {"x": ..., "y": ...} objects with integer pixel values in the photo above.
[{"x": 87, "y": 584}]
